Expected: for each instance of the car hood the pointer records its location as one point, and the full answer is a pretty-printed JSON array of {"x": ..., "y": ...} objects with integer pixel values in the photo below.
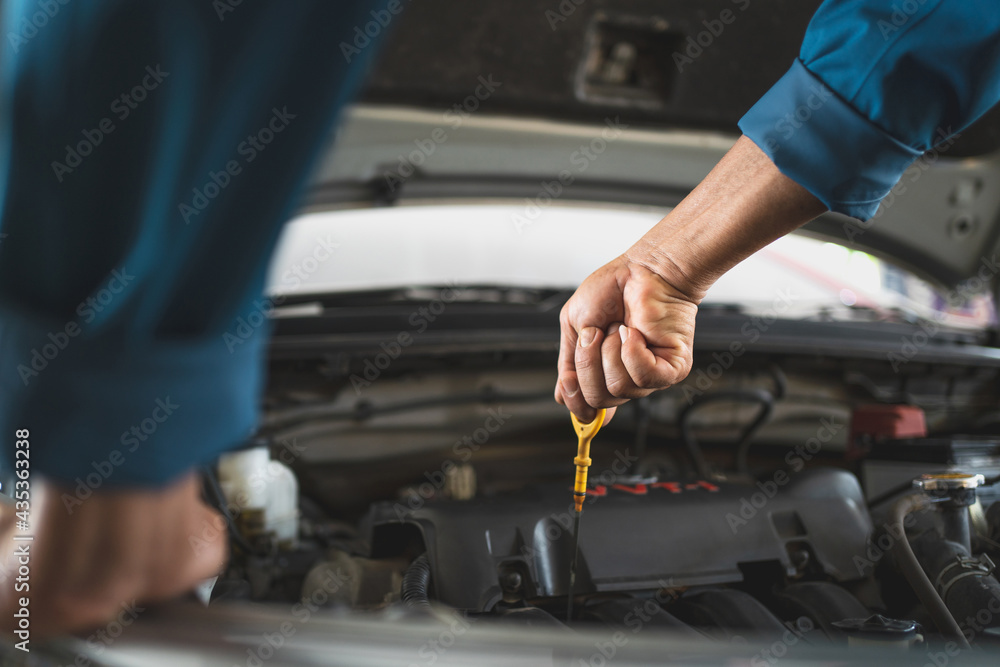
[{"x": 626, "y": 102}]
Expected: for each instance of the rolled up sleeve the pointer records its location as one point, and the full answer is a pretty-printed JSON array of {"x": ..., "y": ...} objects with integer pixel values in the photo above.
[{"x": 877, "y": 83}]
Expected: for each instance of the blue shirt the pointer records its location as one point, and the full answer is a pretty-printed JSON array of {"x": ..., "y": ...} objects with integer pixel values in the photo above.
[
  {"x": 877, "y": 83},
  {"x": 149, "y": 154}
]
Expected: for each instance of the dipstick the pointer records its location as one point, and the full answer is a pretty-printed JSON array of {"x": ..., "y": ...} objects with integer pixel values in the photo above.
[{"x": 585, "y": 434}]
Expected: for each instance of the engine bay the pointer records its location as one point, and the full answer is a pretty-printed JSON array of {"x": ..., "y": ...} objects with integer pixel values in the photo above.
[{"x": 458, "y": 504}]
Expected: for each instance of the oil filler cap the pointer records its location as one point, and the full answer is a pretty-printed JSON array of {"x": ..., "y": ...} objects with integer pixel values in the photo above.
[
  {"x": 877, "y": 629},
  {"x": 958, "y": 487}
]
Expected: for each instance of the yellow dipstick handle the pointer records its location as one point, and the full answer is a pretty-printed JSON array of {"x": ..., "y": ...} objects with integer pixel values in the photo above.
[{"x": 585, "y": 433}]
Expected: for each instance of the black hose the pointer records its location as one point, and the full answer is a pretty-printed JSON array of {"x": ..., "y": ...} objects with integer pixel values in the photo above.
[
  {"x": 915, "y": 575},
  {"x": 780, "y": 382},
  {"x": 767, "y": 408},
  {"x": 760, "y": 396},
  {"x": 743, "y": 446},
  {"x": 417, "y": 583},
  {"x": 966, "y": 584}
]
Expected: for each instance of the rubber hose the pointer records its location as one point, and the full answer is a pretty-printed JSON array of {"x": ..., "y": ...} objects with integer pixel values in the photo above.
[
  {"x": 759, "y": 396},
  {"x": 417, "y": 583},
  {"x": 915, "y": 575},
  {"x": 969, "y": 588}
]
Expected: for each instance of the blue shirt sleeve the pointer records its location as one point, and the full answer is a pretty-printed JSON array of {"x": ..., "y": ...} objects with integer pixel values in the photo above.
[
  {"x": 877, "y": 83},
  {"x": 149, "y": 154}
]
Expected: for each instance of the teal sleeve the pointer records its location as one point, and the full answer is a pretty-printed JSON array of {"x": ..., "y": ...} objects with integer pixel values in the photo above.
[
  {"x": 149, "y": 154},
  {"x": 877, "y": 83}
]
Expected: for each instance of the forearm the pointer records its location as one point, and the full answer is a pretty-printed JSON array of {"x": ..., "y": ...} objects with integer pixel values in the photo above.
[{"x": 744, "y": 204}]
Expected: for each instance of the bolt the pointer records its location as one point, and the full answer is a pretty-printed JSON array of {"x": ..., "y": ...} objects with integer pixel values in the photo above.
[{"x": 511, "y": 582}]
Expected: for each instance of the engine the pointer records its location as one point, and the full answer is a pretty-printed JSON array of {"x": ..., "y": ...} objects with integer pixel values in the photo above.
[
  {"x": 782, "y": 558},
  {"x": 378, "y": 516},
  {"x": 638, "y": 535}
]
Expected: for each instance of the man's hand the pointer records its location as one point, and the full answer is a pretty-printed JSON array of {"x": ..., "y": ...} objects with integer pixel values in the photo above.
[
  {"x": 654, "y": 289},
  {"x": 115, "y": 548},
  {"x": 626, "y": 332}
]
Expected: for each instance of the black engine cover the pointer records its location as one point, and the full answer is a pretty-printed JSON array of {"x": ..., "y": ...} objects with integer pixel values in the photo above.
[{"x": 634, "y": 537}]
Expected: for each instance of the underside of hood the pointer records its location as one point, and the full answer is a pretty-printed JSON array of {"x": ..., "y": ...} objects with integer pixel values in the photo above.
[{"x": 630, "y": 101}]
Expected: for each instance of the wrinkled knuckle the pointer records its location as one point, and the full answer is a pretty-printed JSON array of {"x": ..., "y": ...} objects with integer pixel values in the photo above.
[
  {"x": 587, "y": 362},
  {"x": 611, "y": 402},
  {"x": 685, "y": 368},
  {"x": 589, "y": 393},
  {"x": 619, "y": 388},
  {"x": 609, "y": 307},
  {"x": 647, "y": 381}
]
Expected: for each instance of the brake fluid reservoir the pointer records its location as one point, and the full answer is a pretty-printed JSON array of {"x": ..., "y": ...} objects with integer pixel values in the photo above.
[{"x": 262, "y": 493}]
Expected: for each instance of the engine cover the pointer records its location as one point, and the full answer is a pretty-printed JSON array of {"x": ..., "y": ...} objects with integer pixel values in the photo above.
[{"x": 634, "y": 537}]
